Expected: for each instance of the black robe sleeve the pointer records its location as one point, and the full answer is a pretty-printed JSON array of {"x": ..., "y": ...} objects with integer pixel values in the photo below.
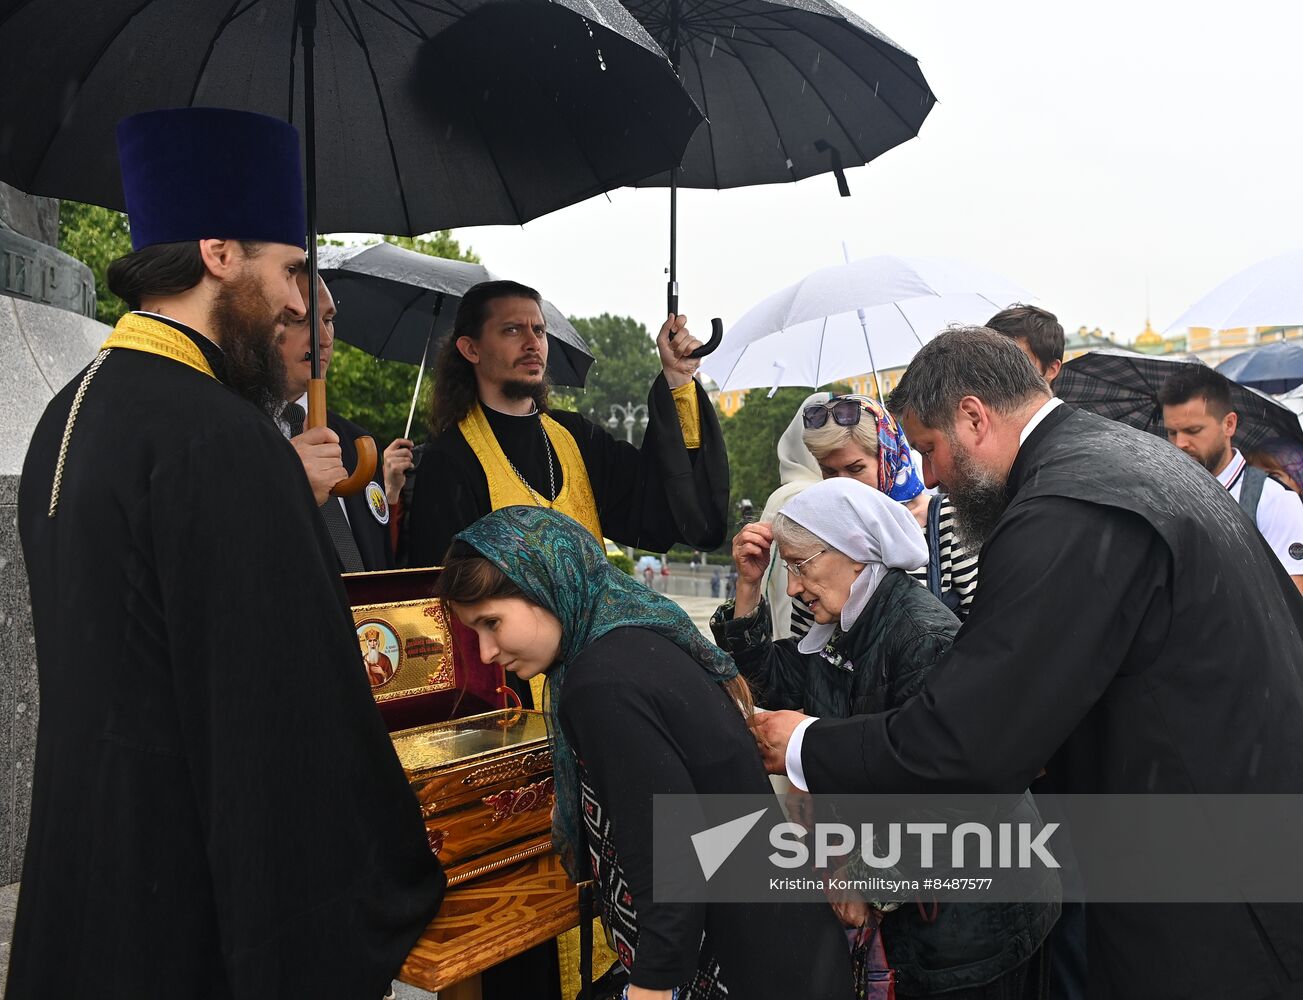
[
  {"x": 663, "y": 493},
  {"x": 321, "y": 875},
  {"x": 449, "y": 493},
  {"x": 1069, "y": 590}
]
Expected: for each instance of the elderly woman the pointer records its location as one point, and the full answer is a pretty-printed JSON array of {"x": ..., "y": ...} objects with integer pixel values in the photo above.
[
  {"x": 639, "y": 703},
  {"x": 877, "y": 633},
  {"x": 853, "y": 437}
]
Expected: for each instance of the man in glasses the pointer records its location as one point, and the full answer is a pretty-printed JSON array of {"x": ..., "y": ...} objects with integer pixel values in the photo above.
[{"x": 1132, "y": 635}]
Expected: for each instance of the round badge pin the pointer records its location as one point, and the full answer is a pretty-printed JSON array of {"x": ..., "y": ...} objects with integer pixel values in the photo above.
[
  {"x": 377, "y": 502},
  {"x": 1296, "y": 550}
]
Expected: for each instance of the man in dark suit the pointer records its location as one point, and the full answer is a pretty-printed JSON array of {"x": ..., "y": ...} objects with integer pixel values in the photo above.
[
  {"x": 358, "y": 524},
  {"x": 1132, "y": 634}
]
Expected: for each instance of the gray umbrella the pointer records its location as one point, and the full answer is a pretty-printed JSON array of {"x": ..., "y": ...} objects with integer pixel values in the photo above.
[{"x": 396, "y": 303}]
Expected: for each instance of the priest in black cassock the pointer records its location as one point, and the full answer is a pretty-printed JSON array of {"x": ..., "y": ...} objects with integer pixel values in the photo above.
[
  {"x": 217, "y": 811},
  {"x": 497, "y": 442},
  {"x": 1132, "y": 633}
]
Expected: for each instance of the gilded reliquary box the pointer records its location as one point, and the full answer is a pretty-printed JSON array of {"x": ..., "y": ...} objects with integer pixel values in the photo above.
[{"x": 485, "y": 788}]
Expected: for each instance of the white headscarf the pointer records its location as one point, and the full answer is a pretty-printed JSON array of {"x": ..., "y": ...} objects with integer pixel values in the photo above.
[
  {"x": 797, "y": 469},
  {"x": 865, "y": 525}
]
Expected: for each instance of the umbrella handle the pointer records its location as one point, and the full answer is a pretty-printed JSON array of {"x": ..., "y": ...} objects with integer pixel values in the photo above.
[
  {"x": 716, "y": 325},
  {"x": 366, "y": 447},
  {"x": 716, "y": 337}
]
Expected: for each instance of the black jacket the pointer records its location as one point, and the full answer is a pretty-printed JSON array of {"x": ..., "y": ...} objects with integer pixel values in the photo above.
[
  {"x": 1132, "y": 633},
  {"x": 370, "y": 533},
  {"x": 901, "y": 634}
]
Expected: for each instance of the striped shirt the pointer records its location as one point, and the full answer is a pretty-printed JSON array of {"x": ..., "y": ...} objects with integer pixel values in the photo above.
[{"x": 958, "y": 564}]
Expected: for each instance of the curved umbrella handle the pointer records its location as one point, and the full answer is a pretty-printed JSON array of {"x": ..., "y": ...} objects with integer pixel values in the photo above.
[
  {"x": 716, "y": 338},
  {"x": 366, "y": 447}
]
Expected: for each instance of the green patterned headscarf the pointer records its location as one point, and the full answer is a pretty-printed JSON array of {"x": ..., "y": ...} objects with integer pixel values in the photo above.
[{"x": 559, "y": 566}]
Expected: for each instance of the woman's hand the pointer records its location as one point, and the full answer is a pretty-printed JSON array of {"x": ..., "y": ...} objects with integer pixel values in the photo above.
[
  {"x": 751, "y": 548},
  {"x": 851, "y": 908}
]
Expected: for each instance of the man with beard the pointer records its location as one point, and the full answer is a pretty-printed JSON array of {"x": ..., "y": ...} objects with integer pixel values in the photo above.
[
  {"x": 205, "y": 823},
  {"x": 1097, "y": 626},
  {"x": 359, "y": 524},
  {"x": 1197, "y": 414},
  {"x": 497, "y": 442}
]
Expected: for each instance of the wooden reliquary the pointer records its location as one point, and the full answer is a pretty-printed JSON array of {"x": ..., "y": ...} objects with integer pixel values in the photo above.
[{"x": 485, "y": 788}]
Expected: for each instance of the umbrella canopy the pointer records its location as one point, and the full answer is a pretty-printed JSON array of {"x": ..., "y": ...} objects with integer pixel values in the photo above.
[
  {"x": 790, "y": 89},
  {"x": 864, "y": 316},
  {"x": 428, "y": 116},
  {"x": 1124, "y": 387},
  {"x": 394, "y": 302},
  {"x": 1275, "y": 368},
  {"x": 1270, "y": 293}
]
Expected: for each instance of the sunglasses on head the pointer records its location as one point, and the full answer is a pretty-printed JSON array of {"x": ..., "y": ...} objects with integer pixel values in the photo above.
[{"x": 845, "y": 411}]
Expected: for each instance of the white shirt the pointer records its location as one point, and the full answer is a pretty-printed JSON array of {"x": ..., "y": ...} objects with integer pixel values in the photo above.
[
  {"x": 795, "y": 772},
  {"x": 302, "y": 401},
  {"x": 1280, "y": 514}
]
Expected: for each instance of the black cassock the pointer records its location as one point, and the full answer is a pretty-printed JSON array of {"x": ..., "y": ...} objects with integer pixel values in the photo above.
[
  {"x": 651, "y": 497},
  {"x": 1132, "y": 633},
  {"x": 217, "y": 809}
]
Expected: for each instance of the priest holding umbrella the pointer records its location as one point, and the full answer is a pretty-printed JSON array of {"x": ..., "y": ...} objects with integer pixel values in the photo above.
[
  {"x": 498, "y": 443},
  {"x": 217, "y": 810}
]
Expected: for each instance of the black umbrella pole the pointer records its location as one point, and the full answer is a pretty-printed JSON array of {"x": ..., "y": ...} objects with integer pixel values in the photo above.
[
  {"x": 672, "y": 289},
  {"x": 307, "y": 25}
]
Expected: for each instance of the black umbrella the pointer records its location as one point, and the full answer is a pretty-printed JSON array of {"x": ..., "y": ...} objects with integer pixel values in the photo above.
[
  {"x": 790, "y": 89},
  {"x": 430, "y": 115},
  {"x": 1124, "y": 387},
  {"x": 1275, "y": 368},
  {"x": 395, "y": 303}
]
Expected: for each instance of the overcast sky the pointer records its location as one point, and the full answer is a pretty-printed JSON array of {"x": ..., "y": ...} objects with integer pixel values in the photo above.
[{"x": 1081, "y": 150}]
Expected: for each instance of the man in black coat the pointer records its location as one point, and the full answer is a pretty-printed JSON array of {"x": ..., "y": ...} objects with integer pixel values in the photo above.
[
  {"x": 217, "y": 810},
  {"x": 358, "y": 524},
  {"x": 1133, "y": 623}
]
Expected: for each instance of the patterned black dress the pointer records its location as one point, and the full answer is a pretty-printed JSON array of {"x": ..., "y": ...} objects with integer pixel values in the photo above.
[{"x": 644, "y": 719}]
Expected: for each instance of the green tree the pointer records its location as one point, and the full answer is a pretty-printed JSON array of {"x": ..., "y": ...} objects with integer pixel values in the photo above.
[
  {"x": 96, "y": 236},
  {"x": 751, "y": 439},
  {"x": 378, "y": 393},
  {"x": 625, "y": 361}
]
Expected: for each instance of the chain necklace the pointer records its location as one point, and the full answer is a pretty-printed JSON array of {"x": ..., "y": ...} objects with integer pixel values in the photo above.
[{"x": 551, "y": 475}]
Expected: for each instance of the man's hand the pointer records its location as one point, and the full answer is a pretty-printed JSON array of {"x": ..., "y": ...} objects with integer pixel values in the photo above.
[
  {"x": 851, "y": 908},
  {"x": 773, "y": 731},
  {"x": 675, "y": 344},
  {"x": 318, "y": 450},
  {"x": 751, "y": 548},
  {"x": 398, "y": 459}
]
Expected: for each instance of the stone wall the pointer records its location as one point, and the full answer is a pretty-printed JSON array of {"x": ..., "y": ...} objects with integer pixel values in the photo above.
[{"x": 41, "y": 349}]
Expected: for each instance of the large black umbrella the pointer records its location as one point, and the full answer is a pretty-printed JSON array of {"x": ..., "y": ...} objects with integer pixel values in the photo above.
[
  {"x": 790, "y": 89},
  {"x": 1124, "y": 387},
  {"x": 429, "y": 116},
  {"x": 396, "y": 303}
]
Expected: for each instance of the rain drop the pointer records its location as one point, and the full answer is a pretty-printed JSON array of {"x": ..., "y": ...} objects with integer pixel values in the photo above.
[
  {"x": 789, "y": 163},
  {"x": 713, "y": 40},
  {"x": 875, "y": 88},
  {"x": 804, "y": 81}
]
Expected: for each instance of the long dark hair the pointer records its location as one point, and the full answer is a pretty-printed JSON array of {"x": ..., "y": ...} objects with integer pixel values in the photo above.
[
  {"x": 159, "y": 270},
  {"x": 455, "y": 390},
  {"x": 162, "y": 269}
]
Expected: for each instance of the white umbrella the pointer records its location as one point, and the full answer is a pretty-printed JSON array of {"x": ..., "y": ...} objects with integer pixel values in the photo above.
[
  {"x": 864, "y": 316},
  {"x": 1269, "y": 293}
]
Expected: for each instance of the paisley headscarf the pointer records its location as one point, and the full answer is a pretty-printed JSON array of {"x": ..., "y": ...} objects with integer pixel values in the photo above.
[
  {"x": 558, "y": 565},
  {"x": 897, "y": 476}
]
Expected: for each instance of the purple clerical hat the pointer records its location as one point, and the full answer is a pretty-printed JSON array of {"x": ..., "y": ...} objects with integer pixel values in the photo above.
[{"x": 211, "y": 173}]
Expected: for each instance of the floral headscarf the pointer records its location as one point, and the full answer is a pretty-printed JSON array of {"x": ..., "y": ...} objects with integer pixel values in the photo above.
[{"x": 558, "y": 565}]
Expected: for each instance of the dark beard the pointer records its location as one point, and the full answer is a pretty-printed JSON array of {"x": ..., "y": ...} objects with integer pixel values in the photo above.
[
  {"x": 244, "y": 320},
  {"x": 978, "y": 496},
  {"x": 520, "y": 389}
]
